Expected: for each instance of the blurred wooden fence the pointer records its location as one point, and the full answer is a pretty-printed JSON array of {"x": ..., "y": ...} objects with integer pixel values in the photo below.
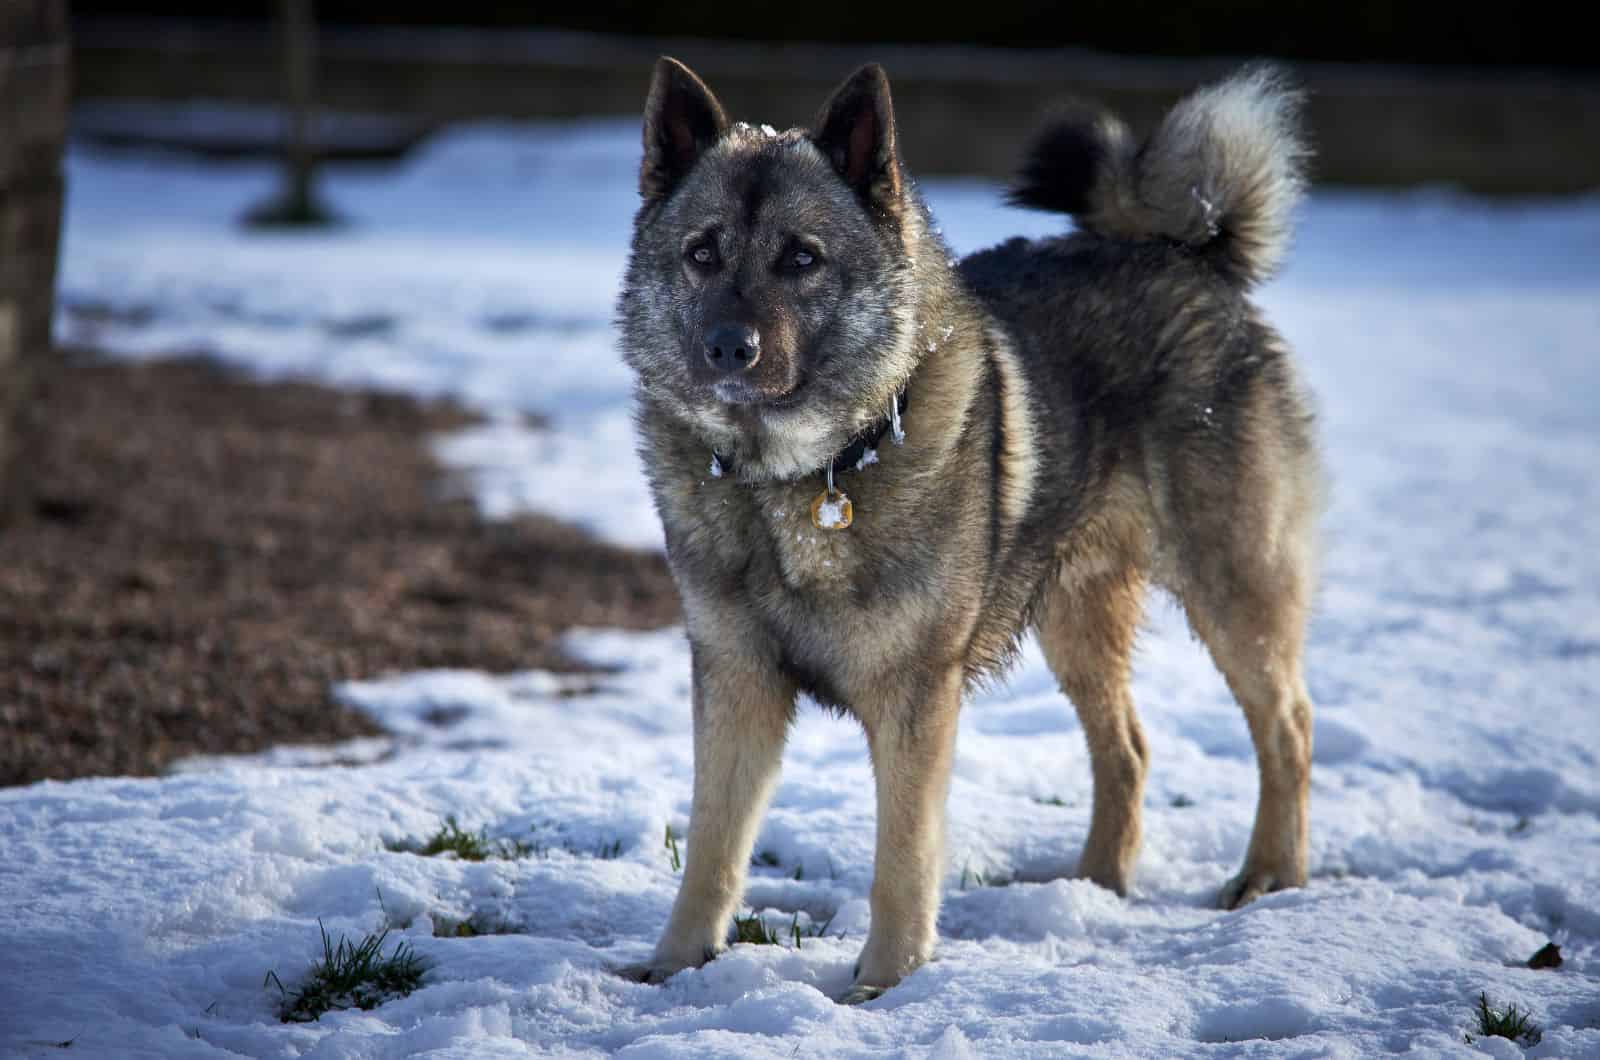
[{"x": 962, "y": 109}]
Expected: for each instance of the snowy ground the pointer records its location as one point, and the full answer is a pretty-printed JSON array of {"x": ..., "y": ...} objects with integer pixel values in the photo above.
[{"x": 1455, "y": 662}]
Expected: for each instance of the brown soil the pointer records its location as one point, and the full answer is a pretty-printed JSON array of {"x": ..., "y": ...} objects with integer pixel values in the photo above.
[{"x": 189, "y": 561}]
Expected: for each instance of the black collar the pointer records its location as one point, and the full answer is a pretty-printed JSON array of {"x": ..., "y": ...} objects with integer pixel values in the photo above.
[{"x": 853, "y": 457}]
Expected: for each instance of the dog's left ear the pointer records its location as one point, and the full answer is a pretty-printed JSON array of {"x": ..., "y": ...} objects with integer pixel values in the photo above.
[{"x": 855, "y": 131}]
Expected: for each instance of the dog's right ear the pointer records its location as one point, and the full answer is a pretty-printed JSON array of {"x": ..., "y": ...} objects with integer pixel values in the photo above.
[{"x": 681, "y": 119}]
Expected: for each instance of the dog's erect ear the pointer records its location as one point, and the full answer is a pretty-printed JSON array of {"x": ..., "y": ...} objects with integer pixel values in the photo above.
[
  {"x": 855, "y": 130},
  {"x": 681, "y": 119}
]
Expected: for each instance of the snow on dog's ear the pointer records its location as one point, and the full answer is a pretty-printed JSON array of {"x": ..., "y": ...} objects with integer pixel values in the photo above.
[
  {"x": 855, "y": 131},
  {"x": 681, "y": 119}
]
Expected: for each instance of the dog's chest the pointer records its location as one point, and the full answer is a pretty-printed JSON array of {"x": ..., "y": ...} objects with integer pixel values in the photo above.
[
  {"x": 805, "y": 556},
  {"x": 765, "y": 534}
]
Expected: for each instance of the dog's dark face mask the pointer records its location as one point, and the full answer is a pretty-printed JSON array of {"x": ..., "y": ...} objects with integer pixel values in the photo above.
[{"x": 764, "y": 297}]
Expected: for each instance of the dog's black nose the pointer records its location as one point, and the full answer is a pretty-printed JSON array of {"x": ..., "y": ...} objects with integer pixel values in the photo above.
[{"x": 732, "y": 348}]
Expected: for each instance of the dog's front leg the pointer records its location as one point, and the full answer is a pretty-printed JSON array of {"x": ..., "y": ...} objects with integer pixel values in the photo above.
[
  {"x": 912, "y": 743},
  {"x": 742, "y": 709}
]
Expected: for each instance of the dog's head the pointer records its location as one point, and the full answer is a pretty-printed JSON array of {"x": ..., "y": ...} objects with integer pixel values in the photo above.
[{"x": 768, "y": 299}]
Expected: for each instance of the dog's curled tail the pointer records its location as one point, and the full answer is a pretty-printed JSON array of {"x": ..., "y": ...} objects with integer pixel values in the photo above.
[{"x": 1222, "y": 174}]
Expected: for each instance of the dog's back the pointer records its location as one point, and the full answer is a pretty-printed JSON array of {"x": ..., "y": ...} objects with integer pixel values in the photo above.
[{"x": 1145, "y": 357}]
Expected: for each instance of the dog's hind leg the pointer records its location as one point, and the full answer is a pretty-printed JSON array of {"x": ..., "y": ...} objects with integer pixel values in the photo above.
[
  {"x": 742, "y": 710},
  {"x": 1086, "y": 627},
  {"x": 912, "y": 741},
  {"x": 1256, "y": 645},
  {"x": 1247, "y": 596}
]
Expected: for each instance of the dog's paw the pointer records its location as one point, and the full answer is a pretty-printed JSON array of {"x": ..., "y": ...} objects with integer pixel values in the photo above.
[
  {"x": 1250, "y": 885},
  {"x": 658, "y": 970},
  {"x": 1107, "y": 872},
  {"x": 861, "y": 992},
  {"x": 651, "y": 974}
]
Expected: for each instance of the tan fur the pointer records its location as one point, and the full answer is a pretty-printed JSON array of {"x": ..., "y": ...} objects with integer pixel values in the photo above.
[
  {"x": 1086, "y": 629},
  {"x": 742, "y": 710},
  {"x": 1250, "y": 606},
  {"x": 911, "y": 763},
  {"x": 1020, "y": 459},
  {"x": 1251, "y": 619}
]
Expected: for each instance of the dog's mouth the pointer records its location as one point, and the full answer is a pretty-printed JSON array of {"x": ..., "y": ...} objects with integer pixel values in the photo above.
[{"x": 747, "y": 395}]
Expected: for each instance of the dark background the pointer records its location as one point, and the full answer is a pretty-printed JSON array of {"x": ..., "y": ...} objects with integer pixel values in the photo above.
[
  {"x": 1425, "y": 33},
  {"x": 1498, "y": 100}
]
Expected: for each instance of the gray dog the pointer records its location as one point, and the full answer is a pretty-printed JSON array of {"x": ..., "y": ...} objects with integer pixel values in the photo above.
[{"x": 877, "y": 468}]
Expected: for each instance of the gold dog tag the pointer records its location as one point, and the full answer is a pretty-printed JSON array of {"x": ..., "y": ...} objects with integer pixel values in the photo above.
[{"x": 831, "y": 510}]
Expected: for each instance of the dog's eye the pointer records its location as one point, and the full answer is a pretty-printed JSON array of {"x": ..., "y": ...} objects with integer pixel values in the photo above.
[
  {"x": 704, "y": 255},
  {"x": 800, "y": 260}
]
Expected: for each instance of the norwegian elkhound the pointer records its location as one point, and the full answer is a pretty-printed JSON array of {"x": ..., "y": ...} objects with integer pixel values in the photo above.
[{"x": 879, "y": 467}]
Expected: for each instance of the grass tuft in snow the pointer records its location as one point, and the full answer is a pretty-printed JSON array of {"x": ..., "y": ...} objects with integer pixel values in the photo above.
[
  {"x": 811, "y": 931},
  {"x": 766, "y": 859},
  {"x": 475, "y": 925},
  {"x": 350, "y": 975},
  {"x": 754, "y": 930},
  {"x": 971, "y": 878},
  {"x": 550, "y": 836},
  {"x": 1512, "y": 1023},
  {"x": 454, "y": 841},
  {"x": 671, "y": 843}
]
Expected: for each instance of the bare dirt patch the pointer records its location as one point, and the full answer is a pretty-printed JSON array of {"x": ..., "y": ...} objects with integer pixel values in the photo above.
[{"x": 189, "y": 560}]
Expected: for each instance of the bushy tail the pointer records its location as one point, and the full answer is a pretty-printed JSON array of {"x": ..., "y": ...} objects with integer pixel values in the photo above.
[{"x": 1223, "y": 172}]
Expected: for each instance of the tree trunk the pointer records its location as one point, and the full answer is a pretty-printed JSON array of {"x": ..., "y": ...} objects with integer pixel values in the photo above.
[
  {"x": 34, "y": 96},
  {"x": 299, "y": 59},
  {"x": 297, "y": 202}
]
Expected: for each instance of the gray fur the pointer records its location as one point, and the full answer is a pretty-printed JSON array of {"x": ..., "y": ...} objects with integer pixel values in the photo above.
[
  {"x": 1087, "y": 415},
  {"x": 1225, "y": 170}
]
